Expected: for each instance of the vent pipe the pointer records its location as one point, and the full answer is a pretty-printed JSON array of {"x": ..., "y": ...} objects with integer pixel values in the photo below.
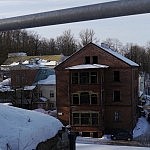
[{"x": 76, "y": 14}]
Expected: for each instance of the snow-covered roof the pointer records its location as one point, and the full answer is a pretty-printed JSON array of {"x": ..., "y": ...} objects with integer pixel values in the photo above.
[
  {"x": 5, "y": 85},
  {"x": 5, "y": 88},
  {"x": 51, "y": 63},
  {"x": 24, "y": 129},
  {"x": 6, "y": 82},
  {"x": 112, "y": 52},
  {"x": 50, "y": 80},
  {"x": 43, "y": 99},
  {"x": 87, "y": 66},
  {"x": 29, "y": 87},
  {"x": 33, "y": 63}
]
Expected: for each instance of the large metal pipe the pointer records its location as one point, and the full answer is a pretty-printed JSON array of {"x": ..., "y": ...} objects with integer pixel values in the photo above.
[{"x": 76, "y": 14}]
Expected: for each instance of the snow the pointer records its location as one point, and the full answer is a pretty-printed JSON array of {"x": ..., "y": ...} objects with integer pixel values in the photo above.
[
  {"x": 33, "y": 63},
  {"x": 50, "y": 80},
  {"x": 112, "y": 52},
  {"x": 84, "y": 143},
  {"x": 14, "y": 64},
  {"x": 5, "y": 82},
  {"x": 29, "y": 87},
  {"x": 5, "y": 85},
  {"x": 48, "y": 112},
  {"x": 107, "y": 147},
  {"x": 6, "y": 88},
  {"x": 23, "y": 129},
  {"x": 141, "y": 127},
  {"x": 87, "y": 66},
  {"x": 43, "y": 99}
]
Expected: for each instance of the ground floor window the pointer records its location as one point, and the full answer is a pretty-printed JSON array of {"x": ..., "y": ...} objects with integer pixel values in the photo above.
[
  {"x": 116, "y": 116},
  {"x": 85, "y": 118}
]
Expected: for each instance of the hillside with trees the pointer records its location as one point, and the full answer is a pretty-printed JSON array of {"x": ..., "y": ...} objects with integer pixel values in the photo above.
[{"x": 31, "y": 43}]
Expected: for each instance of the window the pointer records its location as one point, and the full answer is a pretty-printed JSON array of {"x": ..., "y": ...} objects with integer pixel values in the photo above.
[
  {"x": 51, "y": 93},
  {"x": 75, "y": 78},
  {"x": 116, "y": 76},
  {"x": 76, "y": 119},
  {"x": 94, "y": 118},
  {"x": 93, "y": 77},
  {"x": 116, "y": 96},
  {"x": 87, "y": 59},
  {"x": 116, "y": 116},
  {"x": 85, "y": 118},
  {"x": 84, "y": 77},
  {"x": 93, "y": 98},
  {"x": 75, "y": 99},
  {"x": 84, "y": 98},
  {"x": 95, "y": 60}
]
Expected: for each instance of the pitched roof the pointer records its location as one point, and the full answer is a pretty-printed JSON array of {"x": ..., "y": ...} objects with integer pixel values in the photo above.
[
  {"x": 119, "y": 56},
  {"x": 108, "y": 50}
]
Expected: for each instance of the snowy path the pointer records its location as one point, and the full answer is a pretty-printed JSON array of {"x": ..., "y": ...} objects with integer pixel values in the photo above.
[{"x": 107, "y": 147}]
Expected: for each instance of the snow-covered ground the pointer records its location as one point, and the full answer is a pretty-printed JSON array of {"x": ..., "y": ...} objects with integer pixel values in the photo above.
[
  {"x": 80, "y": 146},
  {"x": 23, "y": 129},
  {"x": 141, "y": 128}
]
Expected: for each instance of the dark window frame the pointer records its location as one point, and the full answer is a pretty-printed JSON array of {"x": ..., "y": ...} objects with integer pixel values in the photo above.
[
  {"x": 95, "y": 59},
  {"x": 85, "y": 118},
  {"x": 116, "y": 116},
  {"x": 75, "y": 77},
  {"x": 84, "y": 77},
  {"x": 75, "y": 99},
  {"x": 91, "y": 99},
  {"x": 116, "y": 76},
  {"x": 116, "y": 96},
  {"x": 84, "y": 98},
  {"x": 93, "y": 77},
  {"x": 51, "y": 94},
  {"x": 87, "y": 60}
]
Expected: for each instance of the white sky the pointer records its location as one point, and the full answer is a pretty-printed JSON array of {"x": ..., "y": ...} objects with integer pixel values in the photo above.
[{"x": 133, "y": 29}]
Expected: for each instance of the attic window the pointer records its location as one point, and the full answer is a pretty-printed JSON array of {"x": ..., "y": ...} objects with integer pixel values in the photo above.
[
  {"x": 95, "y": 60},
  {"x": 87, "y": 59}
]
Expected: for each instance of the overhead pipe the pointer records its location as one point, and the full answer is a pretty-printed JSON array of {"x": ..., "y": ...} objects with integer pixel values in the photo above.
[{"x": 76, "y": 14}]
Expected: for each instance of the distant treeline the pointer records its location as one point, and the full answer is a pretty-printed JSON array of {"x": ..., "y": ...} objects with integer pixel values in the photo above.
[{"x": 31, "y": 43}]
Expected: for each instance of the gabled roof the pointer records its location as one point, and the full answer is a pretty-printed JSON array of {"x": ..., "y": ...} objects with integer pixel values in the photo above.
[
  {"x": 108, "y": 50},
  {"x": 119, "y": 56}
]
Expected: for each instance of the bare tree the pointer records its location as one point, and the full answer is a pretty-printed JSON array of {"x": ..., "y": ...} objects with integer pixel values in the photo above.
[
  {"x": 66, "y": 43},
  {"x": 139, "y": 55},
  {"x": 115, "y": 44},
  {"x": 87, "y": 36}
]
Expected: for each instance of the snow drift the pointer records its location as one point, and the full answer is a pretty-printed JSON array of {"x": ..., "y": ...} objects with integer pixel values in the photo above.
[{"x": 23, "y": 129}]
